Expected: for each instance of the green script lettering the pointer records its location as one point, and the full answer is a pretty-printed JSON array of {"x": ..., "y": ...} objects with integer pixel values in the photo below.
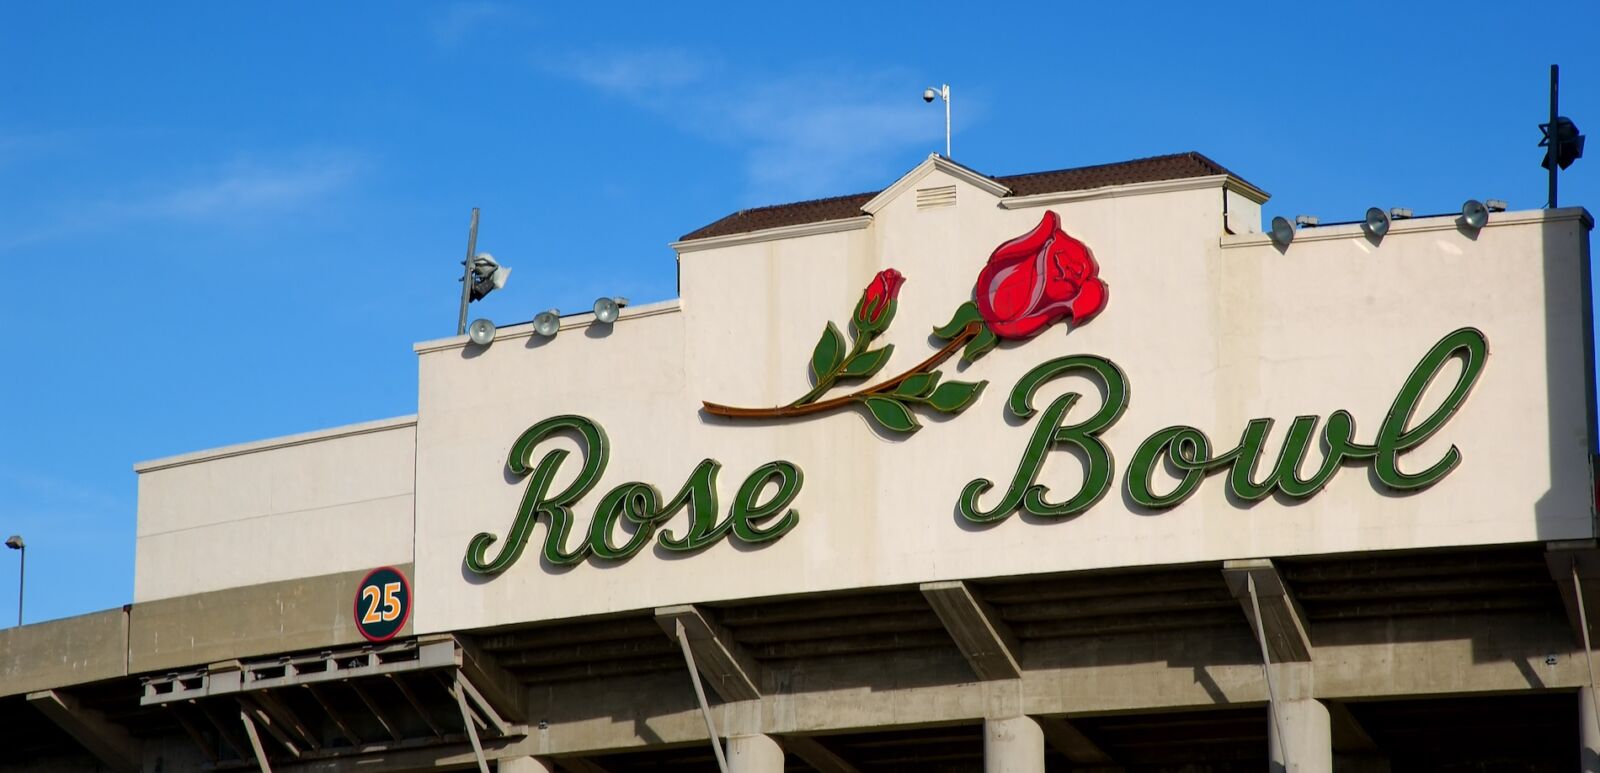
[
  {"x": 1025, "y": 492},
  {"x": 638, "y": 505},
  {"x": 1188, "y": 451}
]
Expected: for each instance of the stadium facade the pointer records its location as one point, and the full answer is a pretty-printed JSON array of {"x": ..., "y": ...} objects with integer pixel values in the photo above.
[{"x": 1075, "y": 470}]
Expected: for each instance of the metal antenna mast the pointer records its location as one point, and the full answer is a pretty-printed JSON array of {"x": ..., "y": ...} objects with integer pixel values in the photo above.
[
  {"x": 1563, "y": 143},
  {"x": 466, "y": 276}
]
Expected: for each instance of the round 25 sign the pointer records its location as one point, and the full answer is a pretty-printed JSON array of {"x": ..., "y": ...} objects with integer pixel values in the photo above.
[{"x": 383, "y": 602}]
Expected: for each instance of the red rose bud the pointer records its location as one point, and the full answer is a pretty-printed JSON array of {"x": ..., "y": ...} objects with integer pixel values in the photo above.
[
  {"x": 1036, "y": 279},
  {"x": 876, "y": 308}
]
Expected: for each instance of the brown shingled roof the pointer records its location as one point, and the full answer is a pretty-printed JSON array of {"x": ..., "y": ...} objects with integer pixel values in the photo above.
[{"x": 1177, "y": 166}]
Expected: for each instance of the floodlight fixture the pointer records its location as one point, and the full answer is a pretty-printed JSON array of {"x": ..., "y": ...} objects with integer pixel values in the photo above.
[
  {"x": 1307, "y": 221},
  {"x": 547, "y": 323},
  {"x": 1567, "y": 144},
  {"x": 1376, "y": 223},
  {"x": 487, "y": 275},
  {"x": 15, "y": 542},
  {"x": 1474, "y": 214},
  {"x": 1399, "y": 213},
  {"x": 1282, "y": 231},
  {"x": 481, "y": 331},
  {"x": 1495, "y": 205},
  {"x": 607, "y": 310}
]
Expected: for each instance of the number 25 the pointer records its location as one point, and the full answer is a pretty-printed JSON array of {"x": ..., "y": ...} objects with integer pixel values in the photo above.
[{"x": 391, "y": 603}]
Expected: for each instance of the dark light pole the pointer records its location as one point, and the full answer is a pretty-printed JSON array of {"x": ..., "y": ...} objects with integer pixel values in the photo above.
[
  {"x": 1562, "y": 141},
  {"x": 15, "y": 543}
]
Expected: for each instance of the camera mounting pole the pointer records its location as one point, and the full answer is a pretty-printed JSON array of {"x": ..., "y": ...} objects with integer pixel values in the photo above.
[{"x": 466, "y": 278}]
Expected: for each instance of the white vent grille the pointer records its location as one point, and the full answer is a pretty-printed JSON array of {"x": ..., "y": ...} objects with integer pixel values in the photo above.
[{"x": 943, "y": 196}]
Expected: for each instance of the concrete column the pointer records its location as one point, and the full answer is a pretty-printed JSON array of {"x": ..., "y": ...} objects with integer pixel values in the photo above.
[
  {"x": 524, "y": 765},
  {"x": 1306, "y": 745},
  {"x": 754, "y": 754},
  {"x": 1014, "y": 745},
  {"x": 1589, "y": 731}
]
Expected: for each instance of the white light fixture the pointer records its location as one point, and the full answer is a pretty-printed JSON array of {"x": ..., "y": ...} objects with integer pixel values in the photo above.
[
  {"x": 1474, "y": 214},
  {"x": 547, "y": 323},
  {"x": 1400, "y": 213},
  {"x": 1282, "y": 231},
  {"x": 1376, "y": 223},
  {"x": 1307, "y": 221},
  {"x": 481, "y": 331},
  {"x": 607, "y": 310},
  {"x": 1495, "y": 205}
]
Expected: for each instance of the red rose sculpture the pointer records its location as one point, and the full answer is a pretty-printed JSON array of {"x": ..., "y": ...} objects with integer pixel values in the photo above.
[
  {"x": 1036, "y": 279},
  {"x": 1029, "y": 282},
  {"x": 876, "y": 308}
]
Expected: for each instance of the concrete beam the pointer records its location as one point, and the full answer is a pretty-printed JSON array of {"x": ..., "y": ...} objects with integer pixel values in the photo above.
[
  {"x": 255, "y": 714},
  {"x": 1584, "y": 556},
  {"x": 1155, "y": 672},
  {"x": 983, "y": 638},
  {"x": 725, "y": 665},
  {"x": 30, "y": 655},
  {"x": 108, "y": 742},
  {"x": 255, "y": 741},
  {"x": 206, "y": 749},
  {"x": 817, "y": 755},
  {"x": 579, "y": 765},
  {"x": 498, "y": 686},
  {"x": 1287, "y": 633},
  {"x": 1071, "y": 743},
  {"x": 524, "y": 765},
  {"x": 416, "y": 705}
]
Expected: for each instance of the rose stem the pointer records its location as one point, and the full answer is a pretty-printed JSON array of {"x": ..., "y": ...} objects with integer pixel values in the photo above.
[
  {"x": 825, "y": 383},
  {"x": 934, "y": 361}
]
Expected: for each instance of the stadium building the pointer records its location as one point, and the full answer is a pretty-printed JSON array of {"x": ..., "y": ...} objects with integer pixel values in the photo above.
[{"x": 1080, "y": 470}]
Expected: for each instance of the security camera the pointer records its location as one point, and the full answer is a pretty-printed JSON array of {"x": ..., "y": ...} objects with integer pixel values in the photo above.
[{"x": 929, "y": 94}]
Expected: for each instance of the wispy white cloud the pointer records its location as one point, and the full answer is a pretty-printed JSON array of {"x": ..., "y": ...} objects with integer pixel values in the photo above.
[
  {"x": 460, "y": 21},
  {"x": 15, "y": 147},
  {"x": 247, "y": 189},
  {"x": 639, "y": 75},
  {"x": 806, "y": 132},
  {"x": 238, "y": 192}
]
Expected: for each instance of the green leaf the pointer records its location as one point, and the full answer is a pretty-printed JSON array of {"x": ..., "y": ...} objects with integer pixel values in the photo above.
[
  {"x": 955, "y": 396},
  {"x": 980, "y": 344},
  {"x": 868, "y": 362},
  {"x": 829, "y": 354},
  {"x": 965, "y": 315},
  {"x": 918, "y": 385},
  {"x": 892, "y": 414}
]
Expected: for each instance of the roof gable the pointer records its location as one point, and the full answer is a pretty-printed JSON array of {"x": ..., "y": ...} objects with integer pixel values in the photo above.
[
  {"x": 935, "y": 163},
  {"x": 1176, "y": 166}
]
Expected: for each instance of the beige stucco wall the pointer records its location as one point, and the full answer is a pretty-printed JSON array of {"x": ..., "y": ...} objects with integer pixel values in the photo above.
[
  {"x": 1212, "y": 330},
  {"x": 301, "y": 506}
]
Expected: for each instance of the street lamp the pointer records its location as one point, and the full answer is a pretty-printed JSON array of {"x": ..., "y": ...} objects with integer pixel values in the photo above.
[{"x": 15, "y": 543}]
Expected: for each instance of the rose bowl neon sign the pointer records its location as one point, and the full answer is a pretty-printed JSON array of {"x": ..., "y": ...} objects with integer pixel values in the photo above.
[{"x": 1028, "y": 284}]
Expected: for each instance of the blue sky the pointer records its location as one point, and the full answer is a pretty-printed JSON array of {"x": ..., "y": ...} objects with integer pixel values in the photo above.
[{"x": 221, "y": 222}]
